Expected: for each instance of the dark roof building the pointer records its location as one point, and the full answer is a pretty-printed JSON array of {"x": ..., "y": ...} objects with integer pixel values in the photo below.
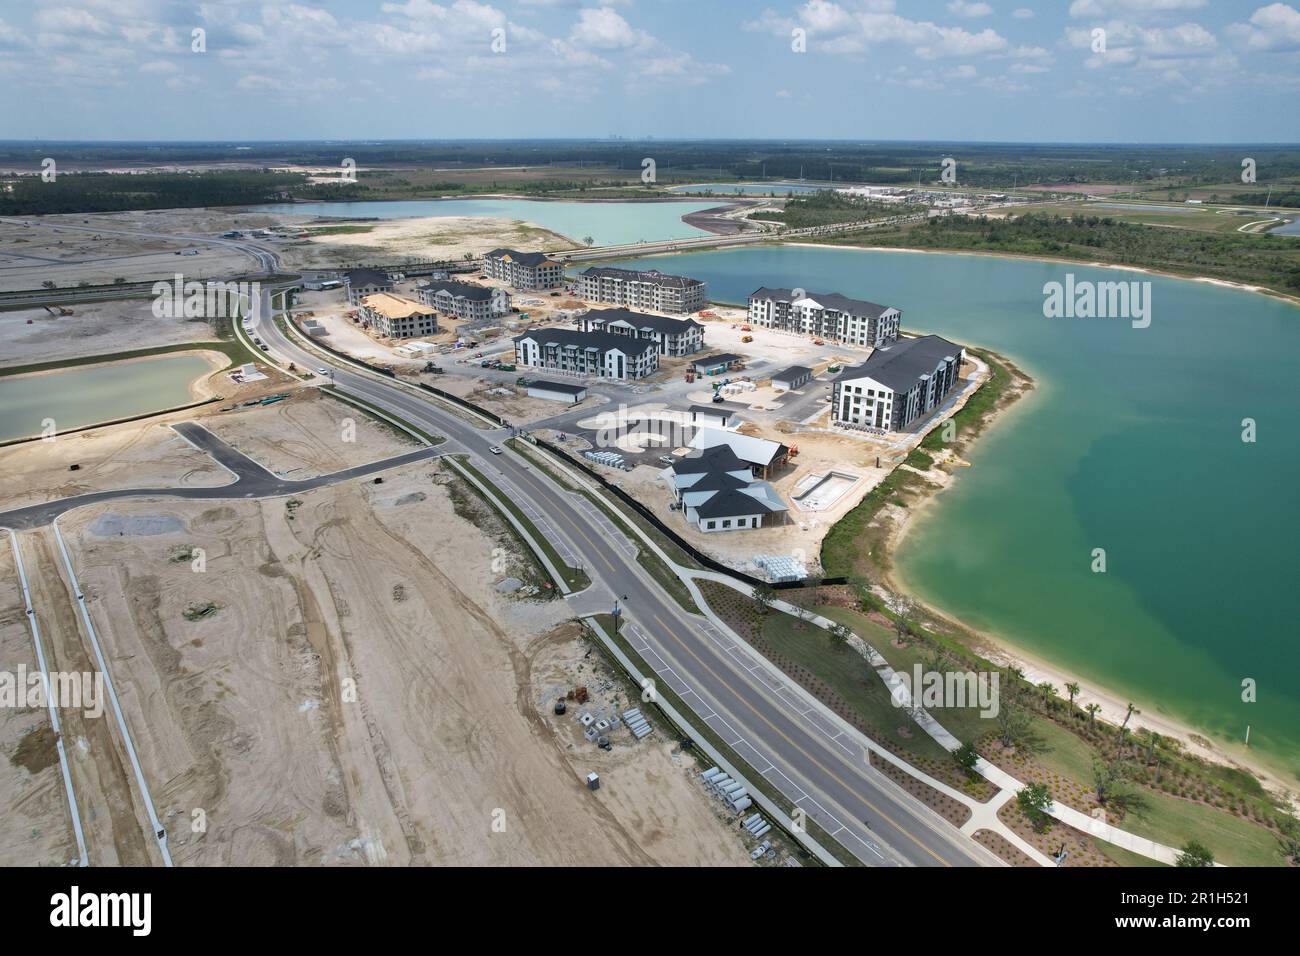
[
  {"x": 827, "y": 315},
  {"x": 671, "y": 336},
  {"x": 897, "y": 385},
  {"x": 647, "y": 289}
]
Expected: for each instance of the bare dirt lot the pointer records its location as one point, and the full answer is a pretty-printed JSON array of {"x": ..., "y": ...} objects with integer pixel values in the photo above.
[
  {"x": 37, "y": 251},
  {"x": 136, "y": 454},
  {"x": 345, "y": 685},
  {"x": 448, "y": 237},
  {"x": 307, "y": 435},
  {"x": 35, "y": 829},
  {"x": 99, "y": 328},
  {"x": 306, "y": 429}
]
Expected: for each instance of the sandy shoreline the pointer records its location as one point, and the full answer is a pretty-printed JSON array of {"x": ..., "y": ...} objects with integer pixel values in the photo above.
[
  {"x": 1226, "y": 283},
  {"x": 1003, "y": 651}
]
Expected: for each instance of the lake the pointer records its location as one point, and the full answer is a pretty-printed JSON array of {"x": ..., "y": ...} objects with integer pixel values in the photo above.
[
  {"x": 1131, "y": 443},
  {"x": 74, "y": 397},
  {"x": 609, "y": 223}
]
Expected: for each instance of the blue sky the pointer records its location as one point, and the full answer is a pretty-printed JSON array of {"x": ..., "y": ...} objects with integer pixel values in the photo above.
[{"x": 1170, "y": 70}]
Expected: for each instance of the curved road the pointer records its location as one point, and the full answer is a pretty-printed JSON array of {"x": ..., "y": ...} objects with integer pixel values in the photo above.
[{"x": 793, "y": 748}]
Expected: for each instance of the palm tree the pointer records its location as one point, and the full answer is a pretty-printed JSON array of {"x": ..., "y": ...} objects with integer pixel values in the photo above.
[
  {"x": 1048, "y": 691},
  {"x": 1131, "y": 711},
  {"x": 1092, "y": 712},
  {"x": 1073, "y": 690}
]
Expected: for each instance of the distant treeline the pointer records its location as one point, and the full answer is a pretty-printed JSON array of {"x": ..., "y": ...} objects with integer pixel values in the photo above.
[
  {"x": 1272, "y": 261},
  {"x": 980, "y": 165},
  {"x": 826, "y": 207},
  {"x": 105, "y": 192}
]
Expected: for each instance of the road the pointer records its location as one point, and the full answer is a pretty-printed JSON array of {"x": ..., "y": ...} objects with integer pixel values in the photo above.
[
  {"x": 869, "y": 815},
  {"x": 251, "y": 481}
]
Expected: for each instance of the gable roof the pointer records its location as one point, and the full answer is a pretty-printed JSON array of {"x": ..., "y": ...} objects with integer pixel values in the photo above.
[
  {"x": 394, "y": 306},
  {"x": 898, "y": 366},
  {"x": 791, "y": 373},
  {"x": 467, "y": 290},
  {"x": 646, "y": 275},
  {"x": 732, "y": 503},
  {"x": 523, "y": 258},
  {"x": 714, "y": 458},
  {"x": 642, "y": 320},
  {"x": 756, "y": 451},
  {"x": 827, "y": 300},
  {"x": 602, "y": 341},
  {"x": 723, "y": 358},
  {"x": 367, "y": 277}
]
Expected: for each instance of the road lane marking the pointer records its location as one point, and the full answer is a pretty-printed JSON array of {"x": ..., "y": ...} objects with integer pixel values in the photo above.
[{"x": 826, "y": 770}]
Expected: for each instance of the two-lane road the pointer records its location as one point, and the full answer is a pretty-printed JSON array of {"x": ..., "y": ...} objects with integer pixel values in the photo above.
[{"x": 795, "y": 750}]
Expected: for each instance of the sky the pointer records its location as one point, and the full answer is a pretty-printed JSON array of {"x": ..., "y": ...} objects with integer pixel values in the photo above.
[{"x": 1202, "y": 71}]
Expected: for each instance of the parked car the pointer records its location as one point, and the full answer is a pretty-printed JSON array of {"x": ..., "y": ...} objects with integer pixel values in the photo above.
[{"x": 666, "y": 459}]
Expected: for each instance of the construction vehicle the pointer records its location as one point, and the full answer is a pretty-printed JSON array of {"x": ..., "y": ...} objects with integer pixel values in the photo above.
[
  {"x": 746, "y": 338},
  {"x": 746, "y": 328}
]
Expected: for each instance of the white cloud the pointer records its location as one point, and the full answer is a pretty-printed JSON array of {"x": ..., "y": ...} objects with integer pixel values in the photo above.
[
  {"x": 1022, "y": 13},
  {"x": 605, "y": 29},
  {"x": 836, "y": 29},
  {"x": 1133, "y": 9},
  {"x": 1274, "y": 28},
  {"x": 968, "y": 9}
]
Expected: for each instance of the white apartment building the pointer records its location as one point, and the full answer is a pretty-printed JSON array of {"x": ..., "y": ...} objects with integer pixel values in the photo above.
[
  {"x": 675, "y": 337},
  {"x": 648, "y": 289},
  {"x": 524, "y": 270},
  {"x": 363, "y": 282},
  {"x": 824, "y": 315},
  {"x": 586, "y": 354},
  {"x": 897, "y": 385},
  {"x": 464, "y": 300}
]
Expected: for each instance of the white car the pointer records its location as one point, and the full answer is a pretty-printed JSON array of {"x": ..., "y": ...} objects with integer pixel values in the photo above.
[
  {"x": 495, "y": 450},
  {"x": 322, "y": 371}
]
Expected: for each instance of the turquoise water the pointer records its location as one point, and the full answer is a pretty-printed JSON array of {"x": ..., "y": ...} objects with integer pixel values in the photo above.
[
  {"x": 750, "y": 189},
  {"x": 1131, "y": 443},
  {"x": 83, "y": 396},
  {"x": 608, "y": 223}
]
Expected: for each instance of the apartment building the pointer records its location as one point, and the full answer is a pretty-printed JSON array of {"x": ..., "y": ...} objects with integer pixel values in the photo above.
[
  {"x": 363, "y": 282},
  {"x": 670, "y": 336},
  {"x": 397, "y": 317},
  {"x": 824, "y": 315},
  {"x": 524, "y": 270},
  {"x": 586, "y": 354},
  {"x": 464, "y": 300},
  {"x": 646, "y": 289},
  {"x": 896, "y": 386}
]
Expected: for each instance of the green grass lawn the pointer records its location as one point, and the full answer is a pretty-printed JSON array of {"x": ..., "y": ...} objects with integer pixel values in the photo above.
[
  {"x": 965, "y": 723},
  {"x": 845, "y": 672},
  {"x": 1232, "y": 840}
]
